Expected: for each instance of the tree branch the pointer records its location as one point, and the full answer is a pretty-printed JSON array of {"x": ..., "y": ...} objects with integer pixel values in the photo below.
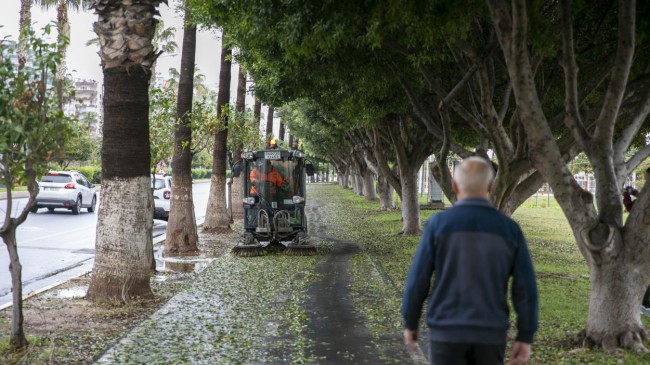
[
  {"x": 572, "y": 117},
  {"x": 636, "y": 160},
  {"x": 630, "y": 131},
  {"x": 620, "y": 72},
  {"x": 382, "y": 163}
]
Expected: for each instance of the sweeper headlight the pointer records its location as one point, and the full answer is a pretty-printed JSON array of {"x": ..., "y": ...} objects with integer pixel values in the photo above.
[
  {"x": 298, "y": 154},
  {"x": 249, "y": 200},
  {"x": 248, "y": 155},
  {"x": 298, "y": 199}
]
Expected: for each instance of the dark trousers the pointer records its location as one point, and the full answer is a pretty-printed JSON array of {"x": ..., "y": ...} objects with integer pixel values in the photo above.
[
  {"x": 445, "y": 353},
  {"x": 646, "y": 298}
]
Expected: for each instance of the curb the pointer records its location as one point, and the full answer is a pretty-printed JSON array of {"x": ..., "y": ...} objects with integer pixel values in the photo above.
[
  {"x": 15, "y": 195},
  {"x": 157, "y": 241}
]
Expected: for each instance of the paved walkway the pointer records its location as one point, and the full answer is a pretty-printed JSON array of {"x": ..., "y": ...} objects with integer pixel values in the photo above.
[{"x": 266, "y": 310}]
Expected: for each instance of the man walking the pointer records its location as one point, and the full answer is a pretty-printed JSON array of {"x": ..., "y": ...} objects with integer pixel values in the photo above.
[{"x": 474, "y": 250}]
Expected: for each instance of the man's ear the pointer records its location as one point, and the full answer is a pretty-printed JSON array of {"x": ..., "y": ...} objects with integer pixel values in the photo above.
[{"x": 490, "y": 186}]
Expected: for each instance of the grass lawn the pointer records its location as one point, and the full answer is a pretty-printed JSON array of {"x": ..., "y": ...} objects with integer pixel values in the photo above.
[
  {"x": 17, "y": 188},
  {"x": 562, "y": 274}
]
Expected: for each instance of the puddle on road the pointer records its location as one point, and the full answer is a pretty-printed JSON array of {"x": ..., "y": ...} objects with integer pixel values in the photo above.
[{"x": 68, "y": 293}]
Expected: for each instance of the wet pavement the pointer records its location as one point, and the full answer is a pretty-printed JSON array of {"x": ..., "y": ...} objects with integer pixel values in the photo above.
[{"x": 266, "y": 310}]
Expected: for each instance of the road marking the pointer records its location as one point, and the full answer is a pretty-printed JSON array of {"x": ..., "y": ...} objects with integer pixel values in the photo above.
[{"x": 22, "y": 242}]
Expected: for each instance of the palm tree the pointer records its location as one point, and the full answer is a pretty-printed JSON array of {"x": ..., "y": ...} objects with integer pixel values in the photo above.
[
  {"x": 216, "y": 216},
  {"x": 181, "y": 228},
  {"x": 122, "y": 260},
  {"x": 63, "y": 27},
  {"x": 163, "y": 39}
]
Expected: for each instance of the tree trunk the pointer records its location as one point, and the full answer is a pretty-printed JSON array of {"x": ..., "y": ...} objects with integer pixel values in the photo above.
[
  {"x": 124, "y": 248},
  {"x": 410, "y": 203},
  {"x": 269, "y": 126},
  {"x": 257, "y": 111},
  {"x": 369, "y": 186},
  {"x": 25, "y": 21},
  {"x": 18, "y": 340},
  {"x": 236, "y": 189},
  {"x": 385, "y": 194},
  {"x": 281, "y": 133},
  {"x": 357, "y": 187},
  {"x": 291, "y": 146},
  {"x": 616, "y": 291},
  {"x": 182, "y": 236},
  {"x": 216, "y": 217},
  {"x": 63, "y": 36}
]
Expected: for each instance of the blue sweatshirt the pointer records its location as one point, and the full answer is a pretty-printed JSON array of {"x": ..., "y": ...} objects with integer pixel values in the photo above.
[{"x": 474, "y": 250}]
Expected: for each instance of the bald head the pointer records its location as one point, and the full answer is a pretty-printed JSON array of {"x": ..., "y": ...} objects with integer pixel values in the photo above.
[{"x": 473, "y": 178}]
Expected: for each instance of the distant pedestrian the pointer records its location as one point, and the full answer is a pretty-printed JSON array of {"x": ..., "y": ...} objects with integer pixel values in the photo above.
[
  {"x": 473, "y": 250},
  {"x": 628, "y": 193}
]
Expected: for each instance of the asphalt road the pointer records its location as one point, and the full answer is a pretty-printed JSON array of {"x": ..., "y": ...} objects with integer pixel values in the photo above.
[{"x": 55, "y": 246}]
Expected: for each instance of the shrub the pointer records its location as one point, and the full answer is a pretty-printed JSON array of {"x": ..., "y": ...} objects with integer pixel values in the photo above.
[
  {"x": 201, "y": 173},
  {"x": 92, "y": 173}
]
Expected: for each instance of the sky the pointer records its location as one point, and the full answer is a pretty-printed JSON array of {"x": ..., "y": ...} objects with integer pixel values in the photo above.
[{"x": 83, "y": 61}]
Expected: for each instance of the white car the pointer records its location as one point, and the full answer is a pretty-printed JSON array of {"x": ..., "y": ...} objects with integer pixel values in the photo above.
[
  {"x": 65, "y": 189},
  {"x": 162, "y": 187},
  {"x": 160, "y": 209}
]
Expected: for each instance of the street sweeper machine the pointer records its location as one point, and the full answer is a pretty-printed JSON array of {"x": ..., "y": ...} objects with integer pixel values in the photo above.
[{"x": 274, "y": 186}]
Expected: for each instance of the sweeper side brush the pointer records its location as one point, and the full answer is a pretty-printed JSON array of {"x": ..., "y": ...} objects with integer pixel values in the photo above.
[
  {"x": 300, "y": 246},
  {"x": 301, "y": 250},
  {"x": 249, "y": 248}
]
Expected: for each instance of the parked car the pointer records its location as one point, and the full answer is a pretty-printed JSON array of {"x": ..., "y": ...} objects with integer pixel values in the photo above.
[
  {"x": 65, "y": 189},
  {"x": 160, "y": 209},
  {"x": 162, "y": 186}
]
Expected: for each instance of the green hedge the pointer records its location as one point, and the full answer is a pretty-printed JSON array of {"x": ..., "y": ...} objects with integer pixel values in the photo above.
[
  {"x": 201, "y": 173},
  {"x": 92, "y": 173}
]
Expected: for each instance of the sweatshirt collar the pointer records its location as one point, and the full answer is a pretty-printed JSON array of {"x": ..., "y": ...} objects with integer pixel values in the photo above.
[{"x": 474, "y": 201}]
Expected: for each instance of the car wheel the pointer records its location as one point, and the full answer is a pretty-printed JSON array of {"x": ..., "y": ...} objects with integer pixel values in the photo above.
[
  {"x": 91, "y": 208},
  {"x": 34, "y": 209},
  {"x": 77, "y": 207},
  {"x": 50, "y": 209}
]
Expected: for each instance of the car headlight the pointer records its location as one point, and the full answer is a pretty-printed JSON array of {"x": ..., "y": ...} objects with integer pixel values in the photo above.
[
  {"x": 249, "y": 200},
  {"x": 298, "y": 199}
]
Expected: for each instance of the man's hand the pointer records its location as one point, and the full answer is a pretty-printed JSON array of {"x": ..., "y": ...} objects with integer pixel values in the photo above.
[
  {"x": 520, "y": 353},
  {"x": 411, "y": 339}
]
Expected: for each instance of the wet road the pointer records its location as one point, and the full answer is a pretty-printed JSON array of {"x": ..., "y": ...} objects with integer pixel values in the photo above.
[
  {"x": 54, "y": 246},
  {"x": 336, "y": 326}
]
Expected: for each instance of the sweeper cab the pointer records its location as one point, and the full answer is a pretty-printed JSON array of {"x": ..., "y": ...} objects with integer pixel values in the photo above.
[{"x": 274, "y": 187}]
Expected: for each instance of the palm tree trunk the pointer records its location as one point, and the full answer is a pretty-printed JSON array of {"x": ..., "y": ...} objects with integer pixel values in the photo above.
[
  {"x": 257, "y": 111},
  {"x": 24, "y": 23},
  {"x": 124, "y": 225},
  {"x": 237, "y": 189},
  {"x": 63, "y": 40},
  {"x": 281, "y": 133},
  {"x": 216, "y": 216},
  {"x": 123, "y": 244},
  {"x": 182, "y": 236},
  {"x": 269, "y": 126}
]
